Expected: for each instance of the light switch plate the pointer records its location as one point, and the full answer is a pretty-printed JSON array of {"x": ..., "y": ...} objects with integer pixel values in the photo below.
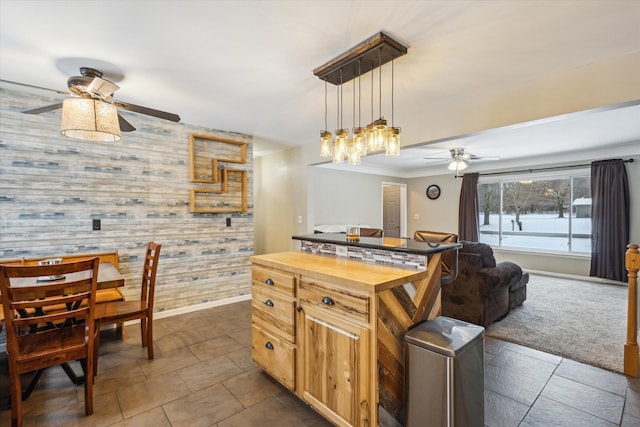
[{"x": 342, "y": 251}]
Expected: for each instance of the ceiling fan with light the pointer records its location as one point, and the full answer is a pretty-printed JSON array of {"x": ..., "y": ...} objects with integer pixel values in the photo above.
[
  {"x": 459, "y": 160},
  {"x": 91, "y": 113}
]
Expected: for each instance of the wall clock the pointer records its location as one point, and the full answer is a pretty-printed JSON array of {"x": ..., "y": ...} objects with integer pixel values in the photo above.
[{"x": 433, "y": 191}]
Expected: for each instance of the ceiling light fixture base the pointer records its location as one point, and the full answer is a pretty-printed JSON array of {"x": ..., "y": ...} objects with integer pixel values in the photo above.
[{"x": 374, "y": 52}]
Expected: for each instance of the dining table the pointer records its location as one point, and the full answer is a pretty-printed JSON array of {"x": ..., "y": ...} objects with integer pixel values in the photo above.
[{"x": 108, "y": 278}]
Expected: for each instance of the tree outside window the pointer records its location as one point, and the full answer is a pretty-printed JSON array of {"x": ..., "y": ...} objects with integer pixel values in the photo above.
[{"x": 541, "y": 213}]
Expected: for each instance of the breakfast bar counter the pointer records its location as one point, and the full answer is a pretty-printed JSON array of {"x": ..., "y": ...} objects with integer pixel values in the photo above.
[{"x": 331, "y": 328}]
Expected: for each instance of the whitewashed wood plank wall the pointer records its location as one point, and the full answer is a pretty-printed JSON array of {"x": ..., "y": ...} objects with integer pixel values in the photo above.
[{"x": 52, "y": 187}]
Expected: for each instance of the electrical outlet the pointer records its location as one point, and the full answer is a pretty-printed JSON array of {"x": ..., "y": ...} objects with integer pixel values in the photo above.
[
  {"x": 228, "y": 222},
  {"x": 299, "y": 219},
  {"x": 97, "y": 224},
  {"x": 342, "y": 251},
  {"x": 416, "y": 216}
]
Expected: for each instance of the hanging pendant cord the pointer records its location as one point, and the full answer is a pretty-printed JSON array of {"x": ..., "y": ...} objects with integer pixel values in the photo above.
[
  {"x": 392, "y": 80},
  {"x": 380, "y": 82},
  {"x": 354, "y": 100},
  {"x": 341, "y": 98},
  {"x": 325, "y": 104},
  {"x": 338, "y": 106},
  {"x": 359, "y": 94}
]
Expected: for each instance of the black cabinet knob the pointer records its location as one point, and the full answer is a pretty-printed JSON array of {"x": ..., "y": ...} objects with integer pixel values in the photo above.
[
  {"x": 299, "y": 308},
  {"x": 327, "y": 300},
  {"x": 269, "y": 345},
  {"x": 269, "y": 303},
  {"x": 269, "y": 282}
]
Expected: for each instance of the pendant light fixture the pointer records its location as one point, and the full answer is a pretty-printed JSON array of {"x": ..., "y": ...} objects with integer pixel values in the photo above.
[
  {"x": 367, "y": 56},
  {"x": 393, "y": 133},
  {"x": 340, "y": 143},
  {"x": 325, "y": 135}
]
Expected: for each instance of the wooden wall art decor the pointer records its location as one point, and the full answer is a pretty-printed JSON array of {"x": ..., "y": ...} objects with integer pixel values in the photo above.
[{"x": 207, "y": 158}]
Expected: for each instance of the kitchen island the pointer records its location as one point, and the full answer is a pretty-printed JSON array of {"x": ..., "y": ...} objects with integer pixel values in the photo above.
[{"x": 331, "y": 328}]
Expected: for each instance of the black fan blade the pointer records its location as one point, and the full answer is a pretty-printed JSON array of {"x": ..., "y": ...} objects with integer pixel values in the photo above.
[
  {"x": 44, "y": 109},
  {"x": 125, "y": 126},
  {"x": 35, "y": 87},
  {"x": 148, "y": 111}
]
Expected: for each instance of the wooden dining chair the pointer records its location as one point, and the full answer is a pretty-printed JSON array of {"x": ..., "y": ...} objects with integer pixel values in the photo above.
[
  {"x": 122, "y": 311},
  {"x": 37, "y": 339}
]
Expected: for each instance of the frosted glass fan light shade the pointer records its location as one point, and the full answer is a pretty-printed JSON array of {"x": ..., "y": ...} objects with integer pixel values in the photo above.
[
  {"x": 457, "y": 165},
  {"x": 90, "y": 120}
]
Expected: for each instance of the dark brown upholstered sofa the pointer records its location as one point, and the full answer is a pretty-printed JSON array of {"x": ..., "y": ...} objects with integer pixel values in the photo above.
[
  {"x": 449, "y": 258},
  {"x": 480, "y": 293}
]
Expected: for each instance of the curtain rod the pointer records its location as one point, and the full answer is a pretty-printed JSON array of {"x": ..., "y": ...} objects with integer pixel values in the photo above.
[{"x": 545, "y": 169}]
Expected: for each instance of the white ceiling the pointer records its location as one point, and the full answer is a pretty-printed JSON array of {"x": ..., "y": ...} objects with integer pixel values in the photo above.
[{"x": 246, "y": 66}]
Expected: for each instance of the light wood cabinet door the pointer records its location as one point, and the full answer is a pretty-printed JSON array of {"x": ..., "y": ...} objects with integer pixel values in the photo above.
[
  {"x": 334, "y": 366},
  {"x": 275, "y": 355}
]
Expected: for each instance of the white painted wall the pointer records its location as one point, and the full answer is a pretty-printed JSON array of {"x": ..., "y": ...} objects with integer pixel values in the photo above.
[{"x": 341, "y": 197}]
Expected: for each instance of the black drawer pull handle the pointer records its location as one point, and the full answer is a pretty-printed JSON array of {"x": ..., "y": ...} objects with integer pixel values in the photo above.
[
  {"x": 269, "y": 345},
  {"x": 269, "y": 303},
  {"x": 269, "y": 282},
  {"x": 327, "y": 300}
]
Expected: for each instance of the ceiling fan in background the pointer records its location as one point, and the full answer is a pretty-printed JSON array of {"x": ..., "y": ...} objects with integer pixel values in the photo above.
[
  {"x": 459, "y": 161},
  {"x": 91, "y": 113}
]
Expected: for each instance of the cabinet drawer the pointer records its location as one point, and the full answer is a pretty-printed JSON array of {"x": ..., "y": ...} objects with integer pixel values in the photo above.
[
  {"x": 339, "y": 301},
  {"x": 273, "y": 312},
  {"x": 274, "y": 355},
  {"x": 273, "y": 279}
]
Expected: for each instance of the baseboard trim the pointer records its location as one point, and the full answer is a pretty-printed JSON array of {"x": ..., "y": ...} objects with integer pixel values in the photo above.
[
  {"x": 576, "y": 277},
  {"x": 192, "y": 308}
]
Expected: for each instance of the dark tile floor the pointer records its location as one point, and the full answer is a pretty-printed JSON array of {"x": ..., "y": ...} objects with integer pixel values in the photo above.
[{"x": 203, "y": 376}]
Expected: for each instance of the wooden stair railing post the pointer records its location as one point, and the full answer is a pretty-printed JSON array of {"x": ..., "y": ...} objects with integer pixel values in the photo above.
[{"x": 632, "y": 263}]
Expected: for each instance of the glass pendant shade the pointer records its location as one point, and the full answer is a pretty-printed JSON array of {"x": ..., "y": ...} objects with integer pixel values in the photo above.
[
  {"x": 393, "y": 142},
  {"x": 380, "y": 133},
  {"x": 90, "y": 120},
  {"x": 338, "y": 157},
  {"x": 359, "y": 144},
  {"x": 341, "y": 141},
  {"x": 353, "y": 158},
  {"x": 371, "y": 142},
  {"x": 340, "y": 146},
  {"x": 325, "y": 144}
]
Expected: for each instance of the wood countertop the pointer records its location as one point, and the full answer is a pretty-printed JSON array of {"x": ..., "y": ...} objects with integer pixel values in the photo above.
[{"x": 369, "y": 277}]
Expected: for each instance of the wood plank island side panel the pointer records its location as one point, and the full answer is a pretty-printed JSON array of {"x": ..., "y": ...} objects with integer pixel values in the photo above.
[{"x": 395, "y": 318}]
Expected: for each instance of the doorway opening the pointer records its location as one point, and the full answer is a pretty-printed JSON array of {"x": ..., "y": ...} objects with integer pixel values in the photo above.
[{"x": 394, "y": 209}]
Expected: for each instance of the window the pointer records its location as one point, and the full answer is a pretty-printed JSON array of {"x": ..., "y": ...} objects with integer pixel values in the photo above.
[{"x": 550, "y": 212}]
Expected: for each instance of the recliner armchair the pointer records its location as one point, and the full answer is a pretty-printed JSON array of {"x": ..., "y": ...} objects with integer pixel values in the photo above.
[{"x": 480, "y": 293}]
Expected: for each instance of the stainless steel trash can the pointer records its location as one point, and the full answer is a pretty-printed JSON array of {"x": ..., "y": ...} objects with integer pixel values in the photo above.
[{"x": 444, "y": 374}]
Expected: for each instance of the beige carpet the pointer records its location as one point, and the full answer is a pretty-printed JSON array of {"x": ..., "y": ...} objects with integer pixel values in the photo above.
[{"x": 579, "y": 320}]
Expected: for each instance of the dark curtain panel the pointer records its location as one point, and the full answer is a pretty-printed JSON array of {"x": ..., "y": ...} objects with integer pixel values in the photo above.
[
  {"x": 468, "y": 227},
  {"x": 610, "y": 219}
]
